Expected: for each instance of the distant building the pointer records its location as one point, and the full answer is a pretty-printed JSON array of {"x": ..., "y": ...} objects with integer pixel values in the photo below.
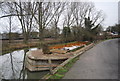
[{"x": 119, "y": 12}]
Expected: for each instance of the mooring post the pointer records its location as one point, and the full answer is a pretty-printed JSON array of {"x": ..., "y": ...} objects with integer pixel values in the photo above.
[{"x": 50, "y": 66}]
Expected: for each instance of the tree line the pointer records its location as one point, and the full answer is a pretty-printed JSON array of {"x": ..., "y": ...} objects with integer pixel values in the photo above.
[
  {"x": 114, "y": 29},
  {"x": 77, "y": 20}
]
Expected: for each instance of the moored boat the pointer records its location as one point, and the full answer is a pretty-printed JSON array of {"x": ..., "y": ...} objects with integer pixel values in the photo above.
[{"x": 37, "y": 61}]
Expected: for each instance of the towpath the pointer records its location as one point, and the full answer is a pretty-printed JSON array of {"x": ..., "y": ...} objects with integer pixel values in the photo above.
[{"x": 100, "y": 62}]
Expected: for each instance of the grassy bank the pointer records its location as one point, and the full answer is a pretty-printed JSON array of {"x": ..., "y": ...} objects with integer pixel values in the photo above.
[
  {"x": 7, "y": 48},
  {"x": 14, "y": 47},
  {"x": 61, "y": 72}
]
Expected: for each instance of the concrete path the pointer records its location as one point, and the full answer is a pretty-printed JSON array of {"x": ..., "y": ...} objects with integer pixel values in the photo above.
[{"x": 100, "y": 62}]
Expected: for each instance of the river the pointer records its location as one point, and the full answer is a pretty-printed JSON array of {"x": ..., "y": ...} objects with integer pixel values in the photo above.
[{"x": 11, "y": 65}]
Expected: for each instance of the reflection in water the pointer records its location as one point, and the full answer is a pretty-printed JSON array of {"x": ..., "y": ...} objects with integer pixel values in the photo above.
[
  {"x": 22, "y": 72},
  {"x": 5, "y": 68},
  {"x": 12, "y": 66}
]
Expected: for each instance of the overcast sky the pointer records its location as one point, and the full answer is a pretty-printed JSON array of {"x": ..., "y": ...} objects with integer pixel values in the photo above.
[{"x": 109, "y": 8}]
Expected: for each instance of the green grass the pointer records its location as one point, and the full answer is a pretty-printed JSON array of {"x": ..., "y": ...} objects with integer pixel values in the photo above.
[
  {"x": 61, "y": 72},
  {"x": 70, "y": 63},
  {"x": 57, "y": 76},
  {"x": 88, "y": 43}
]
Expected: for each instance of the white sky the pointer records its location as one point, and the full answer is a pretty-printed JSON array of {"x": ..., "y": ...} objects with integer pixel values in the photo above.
[{"x": 109, "y": 8}]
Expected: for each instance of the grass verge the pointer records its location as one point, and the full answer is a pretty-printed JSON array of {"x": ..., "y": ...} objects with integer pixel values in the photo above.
[{"x": 61, "y": 72}]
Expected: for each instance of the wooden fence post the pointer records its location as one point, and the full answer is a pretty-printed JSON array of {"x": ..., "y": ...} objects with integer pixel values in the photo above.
[{"x": 50, "y": 66}]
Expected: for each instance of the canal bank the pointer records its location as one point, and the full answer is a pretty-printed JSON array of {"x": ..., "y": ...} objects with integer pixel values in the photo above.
[
  {"x": 12, "y": 64},
  {"x": 16, "y": 63}
]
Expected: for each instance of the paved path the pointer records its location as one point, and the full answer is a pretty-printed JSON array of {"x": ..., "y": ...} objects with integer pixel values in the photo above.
[{"x": 100, "y": 62}]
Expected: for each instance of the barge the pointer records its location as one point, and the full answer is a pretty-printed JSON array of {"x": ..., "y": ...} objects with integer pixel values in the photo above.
[{"x": 37, "y": 61}]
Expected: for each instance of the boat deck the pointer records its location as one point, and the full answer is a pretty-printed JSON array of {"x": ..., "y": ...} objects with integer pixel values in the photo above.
[{"x": 38, "y": 55}]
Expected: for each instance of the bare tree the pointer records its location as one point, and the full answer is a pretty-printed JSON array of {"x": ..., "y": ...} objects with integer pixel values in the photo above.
[
  {"x": 41, "y": 14},
  {"x": 45, "y": 15},
  {"x": 7, "y": 9},
  {"x": 25, "y": 12},
  {"x": 68, "y": 19},
  {"x": 84, "y": 10},
  {"x": 61, "y": 7},
  {"x": 96, "y": 16},
  {"x": 10, "y": 21}
]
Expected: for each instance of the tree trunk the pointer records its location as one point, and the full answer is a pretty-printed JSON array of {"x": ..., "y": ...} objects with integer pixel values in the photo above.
[
  {"x": 10, "y": 30},
  {"x": 56, "y": 32},
  {"x": 26, "y": 37},
  {"x": 40, "y": 22}
]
